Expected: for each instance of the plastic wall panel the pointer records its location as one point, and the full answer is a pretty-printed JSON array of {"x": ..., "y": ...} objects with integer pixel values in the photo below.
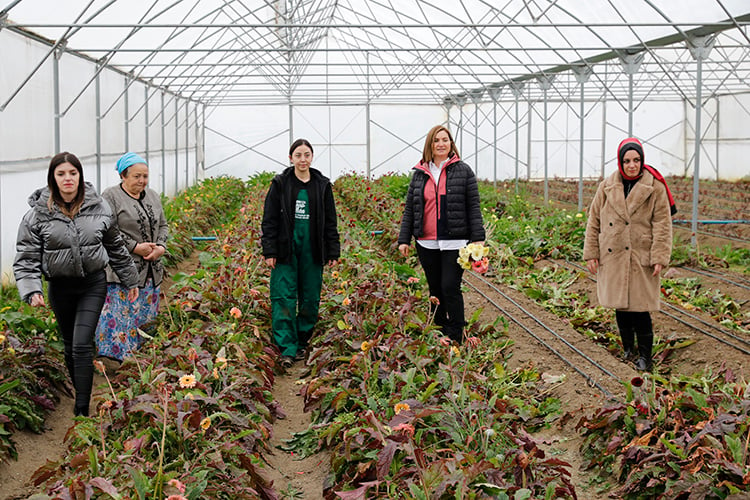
[
  {"x": 15, "y": 188},
  {"x": 113, "y": 104},
  {"x": 78, "y": 125},
  {"x": 26, "y": 125}
]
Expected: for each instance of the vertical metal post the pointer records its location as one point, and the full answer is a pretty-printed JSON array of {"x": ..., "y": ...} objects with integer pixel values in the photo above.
[
  {"x": 699, "y": 47},
  {"x": 528, "y": 137},
  {"x": 187, "y": 144},
  {"x": 291, "y": 121},
  {"x": 582, "y": 75},
  {"x": 718, "y": 136},
  {"x": 146, "y": 118},
  {"x": 368, "y": 131},
  {"x": 460, "y": 100},
  {"x": 517, "y": 89},
  {"x": 476, "y": 97},
  {"x": 98, "y": 97},
  {"x": 545, "y": 82},
  {"x": 604, "y": 137},
  {"x": 197, "y": 139},
  {"x": 163, "y": 152},
  {"x": 176, "y": 145},
  {"x": 630, "y": 64},
  {"x": 494, "y": 92},
  {"x": 56, "y": 97},
  {"x": 127, "y": 115}
]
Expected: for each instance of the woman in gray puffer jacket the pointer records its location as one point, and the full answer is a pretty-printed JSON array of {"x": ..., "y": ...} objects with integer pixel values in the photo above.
[{"x": 69, "y": 236}]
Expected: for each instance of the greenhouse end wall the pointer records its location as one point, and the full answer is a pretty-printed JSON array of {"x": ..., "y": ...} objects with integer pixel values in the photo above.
[{"x": 98, "y": 127}]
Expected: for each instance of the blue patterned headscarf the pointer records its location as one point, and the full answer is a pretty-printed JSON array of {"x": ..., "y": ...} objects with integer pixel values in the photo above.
[{"x": 127, "y": 160}]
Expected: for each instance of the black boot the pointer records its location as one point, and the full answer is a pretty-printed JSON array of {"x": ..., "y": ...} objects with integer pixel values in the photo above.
[
  {"x": 645, "y": 346},
  {"x": 627, "y": 333}
]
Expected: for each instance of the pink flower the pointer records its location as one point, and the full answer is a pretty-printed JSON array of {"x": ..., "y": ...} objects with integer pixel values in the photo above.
[
  {"x": 480, "y": 266},
  {"x": 177, "y": 484},
  {"x": 407, "y": 429},
  {"x": 473, "y": 341},
  {"x": 236, "y": 313},
  {"x": 412, "y": 280}
]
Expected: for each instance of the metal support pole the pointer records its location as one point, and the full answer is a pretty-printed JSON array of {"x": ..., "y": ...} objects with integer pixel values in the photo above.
[
  {"x": 197, "y": 138},
  {"x": 528, "y": 138},
  {"x": 368, "y": 139},
  {"x": 604, "y": 137},
  {"x": 718, "y": 135},
  {"x": 495, "y": 95},
  {"x": 127, "y": 117},
  {"x": 98, "y": 96},
  {"x": 476, "y": 97},
  {"x": 56, "y": 97},
  {"x": 517, "y": 89},
  {"x": 630, "y": 64},
  {"x": 699, "y": 47},
  {"x": 460, "y": 100},
  {"x": 176, "y": 145},
  {"x": 582, "y": 75},
  {"x": 291, "y": 122},
  {"x": 163, "y": 152},
  {"x": 545, "y": 82},
  {"x": 187, "y": 144},
  {"x": 145, "y": 117}
]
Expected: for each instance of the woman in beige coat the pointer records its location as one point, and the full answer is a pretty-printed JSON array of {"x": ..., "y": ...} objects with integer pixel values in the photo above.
[{"x": 628, "y": 244}]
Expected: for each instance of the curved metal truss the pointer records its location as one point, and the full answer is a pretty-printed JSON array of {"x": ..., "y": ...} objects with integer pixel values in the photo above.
[{"x": 229, "y": 52}]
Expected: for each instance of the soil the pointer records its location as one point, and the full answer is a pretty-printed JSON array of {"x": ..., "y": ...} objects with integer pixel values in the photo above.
[{"x": 304, "y": 478}]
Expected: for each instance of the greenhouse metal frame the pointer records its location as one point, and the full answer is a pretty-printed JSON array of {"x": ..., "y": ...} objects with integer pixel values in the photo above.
[{"x": 521, "y": 83}]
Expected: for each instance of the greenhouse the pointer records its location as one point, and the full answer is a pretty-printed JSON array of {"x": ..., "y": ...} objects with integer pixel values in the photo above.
[{"x": 537, "y": 96}]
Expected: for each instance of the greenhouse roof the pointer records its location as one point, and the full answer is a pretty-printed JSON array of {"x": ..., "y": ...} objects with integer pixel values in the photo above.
[{"x": 231, "y": 52}]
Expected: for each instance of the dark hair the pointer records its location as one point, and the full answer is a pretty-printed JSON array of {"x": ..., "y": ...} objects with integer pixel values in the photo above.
[
  {"x": 54, "y": 191},
  {"x": 427, "y": 151},
  {"x": 298, "y": 143}
]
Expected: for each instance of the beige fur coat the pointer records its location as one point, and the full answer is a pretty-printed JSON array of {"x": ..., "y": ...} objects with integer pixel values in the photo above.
[{"x": 629, "y": 236}]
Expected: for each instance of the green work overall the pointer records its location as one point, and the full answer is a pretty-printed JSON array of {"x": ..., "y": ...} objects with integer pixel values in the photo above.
[{"x": 295, "y": 287}]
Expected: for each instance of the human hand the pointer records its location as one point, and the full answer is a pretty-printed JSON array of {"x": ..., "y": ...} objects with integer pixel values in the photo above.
[
  {"x": 593, "y": 265},
  {"x": 657, "y": 269},
  {"x": 404, "y": 249},
  {"x": 156, "y": 252},
  {"x": 133, "y": 294},
  {"x": 271, "y": 262},
  {"x": 143, "y": 249},
  {"x": 37, "y": 300}
]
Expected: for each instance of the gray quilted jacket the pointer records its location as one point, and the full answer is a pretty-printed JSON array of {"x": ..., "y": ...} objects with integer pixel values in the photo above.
[
  {"x": 139, "y": 221},
  {"x": 53, "y": 245}
]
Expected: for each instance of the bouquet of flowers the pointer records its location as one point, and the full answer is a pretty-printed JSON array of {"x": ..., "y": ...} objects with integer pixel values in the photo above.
[{"x": 474, "y": 256}]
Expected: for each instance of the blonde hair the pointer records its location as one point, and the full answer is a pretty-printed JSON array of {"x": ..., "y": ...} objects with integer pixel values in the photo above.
[{"x": 427, "y": 151}]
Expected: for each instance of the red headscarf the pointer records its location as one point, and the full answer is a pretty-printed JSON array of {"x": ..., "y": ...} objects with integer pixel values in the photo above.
[{"x": 631, "y": 143}]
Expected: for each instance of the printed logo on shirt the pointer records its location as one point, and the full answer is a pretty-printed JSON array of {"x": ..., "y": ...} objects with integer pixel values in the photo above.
[{"x": 300, "y": 211}]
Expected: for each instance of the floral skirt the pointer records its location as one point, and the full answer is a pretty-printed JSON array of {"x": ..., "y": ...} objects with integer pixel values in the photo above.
[{"x": 117, "y": 331}]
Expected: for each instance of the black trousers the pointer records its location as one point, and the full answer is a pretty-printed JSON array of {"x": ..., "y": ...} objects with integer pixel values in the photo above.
[
  {"x": 636, "y": 324},
  {"x": 77, "y": 303},
  {"x": 444, "y": 280}
]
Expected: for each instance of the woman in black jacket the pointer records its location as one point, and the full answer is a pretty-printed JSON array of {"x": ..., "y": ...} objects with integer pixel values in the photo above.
[
  {"x": 442, "y": 213},
  {"x": 69, "y": 236},
  {"x": 299, "y": 237}
]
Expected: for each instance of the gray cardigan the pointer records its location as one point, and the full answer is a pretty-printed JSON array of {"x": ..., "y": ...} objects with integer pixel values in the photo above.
[
  {"x": 139, "y": 221},
  {"x": 56, "y": 246}
]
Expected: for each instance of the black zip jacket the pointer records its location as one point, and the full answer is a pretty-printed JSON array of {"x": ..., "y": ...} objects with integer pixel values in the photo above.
[
  {"x": 462, "y": 216},
  {"x": 278, "y": 218}
]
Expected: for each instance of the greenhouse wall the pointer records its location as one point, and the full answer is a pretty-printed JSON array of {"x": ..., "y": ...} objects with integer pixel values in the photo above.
[{"x": 160, "y": 126}]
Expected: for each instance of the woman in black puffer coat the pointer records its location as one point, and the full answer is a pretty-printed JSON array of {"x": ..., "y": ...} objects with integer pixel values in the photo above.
[
  {"x": 69, "y": 236},
  {"x": 442, "y": 213}
]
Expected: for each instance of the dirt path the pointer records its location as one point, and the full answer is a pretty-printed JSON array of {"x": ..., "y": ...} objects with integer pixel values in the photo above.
[
  {"x": 294, "y": 477},
  {"x": 34, "y": 450}
]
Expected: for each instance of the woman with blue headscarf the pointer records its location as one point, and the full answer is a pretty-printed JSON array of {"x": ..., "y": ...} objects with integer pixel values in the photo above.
[{"x": 143, "y": 226}]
